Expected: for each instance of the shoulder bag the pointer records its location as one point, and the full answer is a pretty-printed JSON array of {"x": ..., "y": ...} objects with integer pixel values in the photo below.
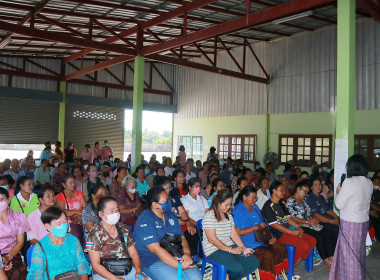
[
  {"x": 69, "y": 275},
  {"x": 117, "y": 266},
  {"x": 263, "y": 234}
]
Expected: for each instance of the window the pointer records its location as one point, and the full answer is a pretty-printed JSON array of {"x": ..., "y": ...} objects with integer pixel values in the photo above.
[
  {"x": 193, "y": 146},
  {"x": 237, "y": 147},
  {"x": 369, "y": 147},
  {"x": 304, "y": 150}
]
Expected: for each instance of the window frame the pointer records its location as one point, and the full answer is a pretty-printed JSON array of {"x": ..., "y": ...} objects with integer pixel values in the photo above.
[
  {"x": 243, "y": 136},
  {"x": 312, "y": 147},
  {"x": 370, "y": 148},
  {"x": 190, "y": 154}
]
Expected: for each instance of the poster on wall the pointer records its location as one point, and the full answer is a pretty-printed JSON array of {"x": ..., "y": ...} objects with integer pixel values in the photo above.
[{"x": 341, "y": 157}]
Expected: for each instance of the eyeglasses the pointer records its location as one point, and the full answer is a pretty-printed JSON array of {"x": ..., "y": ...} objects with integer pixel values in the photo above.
[{"x": 222, "y": 185}]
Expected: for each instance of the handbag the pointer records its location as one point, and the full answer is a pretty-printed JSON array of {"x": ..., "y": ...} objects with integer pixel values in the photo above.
[
  {"x": 173, "y": 244},
  {"x": 263, "y": 234},
  {"x": 117, "y": 266},
  {"x": 69, "y": 275}
]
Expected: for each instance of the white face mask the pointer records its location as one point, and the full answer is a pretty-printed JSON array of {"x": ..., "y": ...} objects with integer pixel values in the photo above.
[
  {"x": 3, "y": 205},
  {"x": 324, "y": 169},
  {"x": 112, "y": 219},
  {"x": 131, "y": 190},
  {"x": 376, "y": 187},
  {"x": 56, "y": 164}
]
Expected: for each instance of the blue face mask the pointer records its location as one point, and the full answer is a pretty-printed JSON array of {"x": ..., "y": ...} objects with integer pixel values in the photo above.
[
  {"x": 61, "y": 230},
  {"x": 97, "y": 164},
  {"x": 257, "y": 167},
  {"x": 101, "y": 161},
  {"x": 105, "y": 144},
  {"x": 147, "y": 171},
  {"x": 167, "y": 206},
  {"x": 85, "y": 166},
  {"x": 5, "y": 187}
]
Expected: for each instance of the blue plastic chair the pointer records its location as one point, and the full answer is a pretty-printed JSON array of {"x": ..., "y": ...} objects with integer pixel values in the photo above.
[
  {"x": 219, "y": 272},
  {"x": 29, "y": 255},
  {"x": 308, "y": 262}
]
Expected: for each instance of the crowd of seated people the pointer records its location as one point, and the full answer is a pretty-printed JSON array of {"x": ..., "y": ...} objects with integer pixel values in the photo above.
[{"x": 67, "y": 207}]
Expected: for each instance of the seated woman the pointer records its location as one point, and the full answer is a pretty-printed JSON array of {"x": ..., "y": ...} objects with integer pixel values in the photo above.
[
  {"x": 129, "y": 201},
  {"x": 25, "y": 201},
  {"x": 142, "y": 185},
  {"x": 72, "y": 202},
  {"x": 300, "y": 212},
  {"x": 37, "y": 229},
  {"x": 222, "y": 243},
  {"x": 248, "y": 219},
  {"x": 151, "y": 226},
  {"x": 277, "y": 215},
  {"x": 328, "y": 195},
  {"x": 320, "y": 210},
  {"x": 78, "y": 174},
  {"x": 206, "y": 192},
  {"x": 90, "y": 214},
  {"x": 57, "y": 178},
  {"x": 115, "y": 187},
  {"x": 179, "y": 181},
  {"x": 217, "y": 185},
  {"x": 104, "y": 175},
  {"x": 13, "y": 225},
  {"x": 263, "y": 193},
  {"x": 241, "y": 183},
  {"x": 103, "y": 242},
  {"x": 59, "y": 251}
]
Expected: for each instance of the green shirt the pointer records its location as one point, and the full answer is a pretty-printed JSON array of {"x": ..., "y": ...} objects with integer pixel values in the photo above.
[{"x": 26, "y": 207}]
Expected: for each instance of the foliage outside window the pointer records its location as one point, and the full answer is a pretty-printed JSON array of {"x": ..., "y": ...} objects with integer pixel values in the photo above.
[{"x": 193, "y": 146}]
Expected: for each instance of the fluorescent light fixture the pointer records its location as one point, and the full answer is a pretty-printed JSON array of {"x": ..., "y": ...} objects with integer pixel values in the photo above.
[
  {"x": 4, "y": 43},
  {"x": 293, "y": 17}
]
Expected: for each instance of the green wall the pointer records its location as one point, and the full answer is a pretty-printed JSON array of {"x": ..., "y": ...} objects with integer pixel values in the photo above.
[{"x": 366, "y": 122}]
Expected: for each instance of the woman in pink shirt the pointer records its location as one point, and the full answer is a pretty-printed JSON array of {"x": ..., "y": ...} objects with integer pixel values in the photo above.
[
  {"x": 37, "y": 228},
  {"x": 107, "y": 151},
  {"x": 97, "y": 151},
  {"x": 72, "y": 202},
  {"x": 79, "y": 177},
  {"x": 87, "y": 154},
  {"x": 13, "y": 225}
]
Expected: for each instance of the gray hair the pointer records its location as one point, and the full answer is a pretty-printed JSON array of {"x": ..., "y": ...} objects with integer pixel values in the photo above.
[
  {"x": 149, "y": 179},
  {"x": 127, "y": 181}
]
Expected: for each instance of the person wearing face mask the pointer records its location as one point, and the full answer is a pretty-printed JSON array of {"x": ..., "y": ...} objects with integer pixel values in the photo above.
[
  {"x": 69, "y": 153},
  {"x": 4, "y": 183},
  {"x": 42, "y": 175},
  {"x": 92, "y": 180},
  {"x": 72, "y": 202},
  {"x": 129, "y": 201},
  {"x": 104, "y": 175},
  {"x": 227, "y": 174},
  {"x": 154, "y": 222},
  {"x": 116, "y": 186},
  {"x": 37, "y": 229},
  {"x": 142, "y": 185},
  {"x": 324, "y": 171},
  {"x": 111, "y": 240},
  {"x": 59, "y": 251},
  {"x": 107, "y": 151},
  {"x": 90, "y": 214},
  {"x": 13, "y": 225}
]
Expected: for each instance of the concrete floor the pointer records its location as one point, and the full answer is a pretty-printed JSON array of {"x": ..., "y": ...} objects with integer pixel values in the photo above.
[{"x": 321, "y": 272}]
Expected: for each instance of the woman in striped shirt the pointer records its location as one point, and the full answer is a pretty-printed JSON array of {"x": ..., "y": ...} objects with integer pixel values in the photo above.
[{"x": 222, "y": 243}]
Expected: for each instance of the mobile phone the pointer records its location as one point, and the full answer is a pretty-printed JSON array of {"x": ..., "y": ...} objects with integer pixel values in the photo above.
[
  {"x": 342, "y": 178},
  {"x": 37, "y": 162}
]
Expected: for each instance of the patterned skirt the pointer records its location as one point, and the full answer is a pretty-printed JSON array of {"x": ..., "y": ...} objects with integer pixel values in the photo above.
[{"x": 350, "y": 256}]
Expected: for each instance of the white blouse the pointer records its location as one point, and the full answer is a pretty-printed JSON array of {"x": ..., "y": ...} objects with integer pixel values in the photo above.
[{"x": 354, "y": 199}]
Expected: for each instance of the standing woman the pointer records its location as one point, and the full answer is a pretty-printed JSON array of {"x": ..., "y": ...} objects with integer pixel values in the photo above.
[
  {"x": 353, "y": 201},
  {"x": 182, "y": 155},
  {"x": 72, "y": 202},
  {"x": 69, "y": 153}
]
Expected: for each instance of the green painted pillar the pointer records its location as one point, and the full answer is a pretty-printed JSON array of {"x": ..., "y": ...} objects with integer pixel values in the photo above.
[
  {"x": 346, "y": 71},
  {"x": 62, "y": 113},
  {"x": 138, "y": 99}
]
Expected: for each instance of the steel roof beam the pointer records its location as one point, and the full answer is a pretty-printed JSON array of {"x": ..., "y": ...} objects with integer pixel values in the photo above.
[
  {"x": 63, "y": 38},
  {"x": 191, "y": 6},
  {"x": 370, "y": 7},
  {"x": 260, "y": 17},
  {"x": 31, "y": 14}
]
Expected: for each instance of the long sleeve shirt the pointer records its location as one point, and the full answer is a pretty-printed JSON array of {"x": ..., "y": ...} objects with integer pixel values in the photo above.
[{"x": 354, "y": 199}]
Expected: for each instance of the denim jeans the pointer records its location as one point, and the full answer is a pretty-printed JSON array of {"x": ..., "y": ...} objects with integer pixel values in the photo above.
[
  {"x": 161, "y": 271},
  {"x": 130, "y": 276}
]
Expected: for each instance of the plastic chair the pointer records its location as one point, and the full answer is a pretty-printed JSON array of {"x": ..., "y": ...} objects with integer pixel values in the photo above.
[
  {"x": 219, "y": 272},
  {"x": 29, "y": 255},
  {"x": 308, "y": 262}
]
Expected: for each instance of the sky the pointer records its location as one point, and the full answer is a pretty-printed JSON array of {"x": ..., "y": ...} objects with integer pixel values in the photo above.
[{"x": 152, "y": 121}]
